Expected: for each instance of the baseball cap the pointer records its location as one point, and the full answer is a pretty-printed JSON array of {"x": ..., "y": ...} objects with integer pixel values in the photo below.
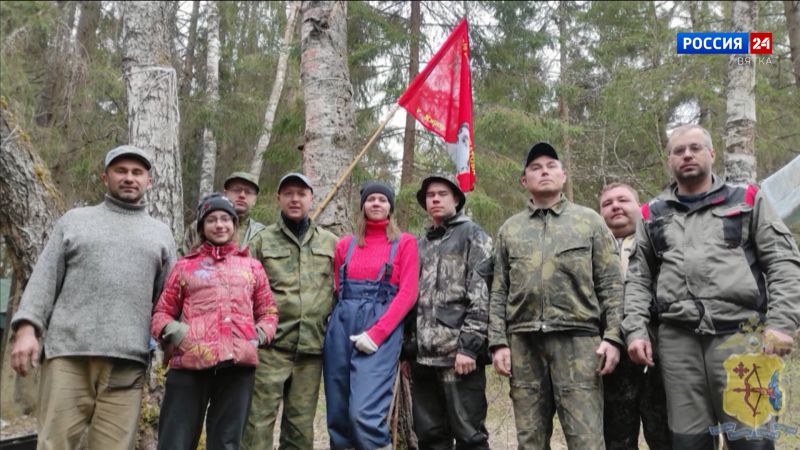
[
  {"x": 130, "y": 151},
  {"x": 244, "y": 176},
  {"x": 295, "y": 176},
  {"x": 540, "y": 149}
]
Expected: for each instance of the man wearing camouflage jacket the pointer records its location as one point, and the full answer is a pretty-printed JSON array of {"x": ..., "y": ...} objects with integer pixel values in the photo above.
[
  {"x": 448, "y": 376},
  {"x": 297, "y": 255},
  {"x": 556, "y": 273},
  {"x": 714, "y": 256}
]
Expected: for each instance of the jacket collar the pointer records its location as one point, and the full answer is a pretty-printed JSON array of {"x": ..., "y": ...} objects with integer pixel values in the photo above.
[
  {"x": 557, "y": 208},
  {"x": 434, "y": 232},
  {"x": 312, "y": 226},
  {"x": 671, "y": 192},
  {"x": 218, "y": 252}
]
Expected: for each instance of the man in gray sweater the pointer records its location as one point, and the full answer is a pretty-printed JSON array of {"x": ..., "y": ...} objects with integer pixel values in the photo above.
[{"x": 90, "y": 298}]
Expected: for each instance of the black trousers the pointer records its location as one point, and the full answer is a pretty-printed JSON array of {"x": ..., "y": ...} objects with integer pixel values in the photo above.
[
  {"x": 631, "y": 396},
  {"x": 224, "y": 392},
  {"x": 449, "y": 408}
]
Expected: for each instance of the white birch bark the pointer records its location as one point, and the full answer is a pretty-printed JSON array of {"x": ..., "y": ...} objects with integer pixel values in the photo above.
[
  {"x": 153, "y": 114},
  {"x": 740, "y": 125},
  {"x": 277, "y": 89},
  {"x": 209, "y": 160},
  {"x": 328, "y": 95}
]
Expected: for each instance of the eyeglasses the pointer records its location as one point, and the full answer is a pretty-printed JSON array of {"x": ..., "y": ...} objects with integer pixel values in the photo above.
[
  {"x": 245, "y": 190},
  {"x": 224, "y": 218},
  {"x": 693, "y": 148}
]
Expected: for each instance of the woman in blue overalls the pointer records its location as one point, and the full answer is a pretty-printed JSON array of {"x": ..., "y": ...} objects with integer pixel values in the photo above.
[{"x": 376, "y": 273}]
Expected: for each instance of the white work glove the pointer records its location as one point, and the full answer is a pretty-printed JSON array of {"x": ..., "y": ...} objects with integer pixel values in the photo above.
[{"x": 363, "y": 343}]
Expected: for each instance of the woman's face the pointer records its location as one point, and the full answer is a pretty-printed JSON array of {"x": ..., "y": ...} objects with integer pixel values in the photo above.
[
  {"x": 218, "y": 227},
  {"x": 377, "y": 207}
]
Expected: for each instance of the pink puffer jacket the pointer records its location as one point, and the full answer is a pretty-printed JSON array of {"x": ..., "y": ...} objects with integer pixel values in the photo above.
[{"x": 222, "y": 295}]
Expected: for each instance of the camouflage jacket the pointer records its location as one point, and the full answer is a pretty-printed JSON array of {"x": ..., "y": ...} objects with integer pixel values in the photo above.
[
  {"x": 555, "y": 269},
  {"x": 247, "y": 229},
  {"x": 704, "y": 280},
  {"x": 301, "y": 277},
  {"x": 453, "y": 306}
]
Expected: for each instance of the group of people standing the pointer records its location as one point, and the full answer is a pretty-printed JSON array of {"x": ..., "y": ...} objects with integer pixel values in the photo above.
[{"x": 253, "y": 317}]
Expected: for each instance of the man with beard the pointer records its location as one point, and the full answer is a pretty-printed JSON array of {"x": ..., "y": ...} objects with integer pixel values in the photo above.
[
  {"x": 91, "y": 295},
  {"x": 241, "y": 188},
  {"x": 713, "y": 258},
  {"x": 629, "y": 393},
  {"x": 556, "y": 274}
]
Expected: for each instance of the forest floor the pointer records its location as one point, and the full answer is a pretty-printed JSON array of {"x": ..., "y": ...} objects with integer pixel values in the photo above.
[{"x": 500, "y": 419}]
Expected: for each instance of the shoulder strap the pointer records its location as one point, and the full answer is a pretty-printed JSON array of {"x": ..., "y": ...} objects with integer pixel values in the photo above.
[{"x": 386, "y": 270}]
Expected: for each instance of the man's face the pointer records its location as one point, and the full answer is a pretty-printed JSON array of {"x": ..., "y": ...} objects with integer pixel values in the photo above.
[
  {"x": 127, "y": 179},
  {"x": 544, "y": 176},
  {"x": 440, "y": 202},
  {"x": 689, "y": 158},
  {"x": 295, "y": 200},
  {"x": 620, "y": 211},
  {"x": 242, "y": 194}
]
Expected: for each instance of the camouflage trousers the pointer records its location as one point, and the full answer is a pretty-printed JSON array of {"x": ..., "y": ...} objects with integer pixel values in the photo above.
[
  {"x": 556, "y": 372},
  {"x": 695, "y": 378},
  {"x": 293, "y": 379},
  {"x": 631, "y": 395}
]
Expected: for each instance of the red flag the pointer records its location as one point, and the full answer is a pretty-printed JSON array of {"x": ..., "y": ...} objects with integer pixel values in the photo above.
[{"x": 440, "y": 98}]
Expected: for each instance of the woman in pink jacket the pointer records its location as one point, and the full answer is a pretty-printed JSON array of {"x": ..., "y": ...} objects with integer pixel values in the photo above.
[{"x": 214, "y": 313}]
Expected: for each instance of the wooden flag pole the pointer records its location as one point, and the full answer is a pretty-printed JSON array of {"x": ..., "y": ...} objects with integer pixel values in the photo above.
[{"x": 346, "y": 173}]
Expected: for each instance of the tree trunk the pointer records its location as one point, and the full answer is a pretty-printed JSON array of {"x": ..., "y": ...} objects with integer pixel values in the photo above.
[
  {"x": 30, "y": 204},
  {"x": 409, "y": 140},
  {"x": 330, "y": 119},
  {"x": 740, "y": 126},
  {"x": 153, "y": 115},
  {"x": 87, "y": 28},
  {"x": 55, "y": 95},
  {"x": 275, "y": 95},
  {"x": 791, "y": 9},
  {"x": 188, "y": 63},
  {"x": 563, "y": 105},
  {"x": 209, "y": 160}
]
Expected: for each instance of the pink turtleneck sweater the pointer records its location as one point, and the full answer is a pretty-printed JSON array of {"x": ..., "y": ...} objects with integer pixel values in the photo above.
[{"x": 366, "y": 263}]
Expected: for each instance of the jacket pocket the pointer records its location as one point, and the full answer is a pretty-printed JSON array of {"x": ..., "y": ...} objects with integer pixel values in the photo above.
[
  {"x": 451, "y": 316},
  {"x": 323, "y": 260}
]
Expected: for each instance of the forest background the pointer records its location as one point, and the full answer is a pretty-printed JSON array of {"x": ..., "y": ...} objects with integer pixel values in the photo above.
[{"x": 600, "y": 80}]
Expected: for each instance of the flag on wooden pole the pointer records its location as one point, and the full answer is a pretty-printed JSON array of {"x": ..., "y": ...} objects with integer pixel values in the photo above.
[{"x": 440, "y": 98}]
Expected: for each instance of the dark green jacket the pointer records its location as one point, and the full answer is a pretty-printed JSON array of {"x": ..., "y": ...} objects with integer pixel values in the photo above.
[
  {"x": 301, "y": 277},
  {"x": 555, "y": 269},
  {"x": 702, "y": 279}
]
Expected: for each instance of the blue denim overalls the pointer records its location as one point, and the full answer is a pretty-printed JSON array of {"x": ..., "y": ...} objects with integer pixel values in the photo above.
[{"x": 358, "y": 387}]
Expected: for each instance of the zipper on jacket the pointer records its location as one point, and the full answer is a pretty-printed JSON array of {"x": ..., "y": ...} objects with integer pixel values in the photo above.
[{"x": 541, "y": 265}]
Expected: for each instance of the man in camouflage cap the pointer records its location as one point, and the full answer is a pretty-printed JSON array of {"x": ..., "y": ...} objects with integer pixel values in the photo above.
[
  {"x": 556, "y": 273},
  {"x": 241, "y": 188},
  {"x": 448, "y": 376},
  {"x": 297, "y": 255}
]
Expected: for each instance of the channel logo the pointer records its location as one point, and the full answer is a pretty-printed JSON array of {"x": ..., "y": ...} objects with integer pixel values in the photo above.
[{"x": 724, "y": 43}]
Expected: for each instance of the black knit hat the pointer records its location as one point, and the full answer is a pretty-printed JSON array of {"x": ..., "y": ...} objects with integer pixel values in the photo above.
[
  {"x": 374, "y": 187},
  {"x": 214, "y": 202}
]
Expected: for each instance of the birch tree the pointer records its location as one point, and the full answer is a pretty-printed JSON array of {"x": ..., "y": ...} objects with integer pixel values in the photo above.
[
  {"x": 188, "y": 62},
  {"x": 791, "y": 9},
  {"x": 209, "y": 159},
  {"x": 328, "y": 96},
  {"x": 740, "y": 126},
  {"x": 152, "y": 93},
  {"x": 277, "y": 90},
  {"x": 563, "y": 105},
  {"x": 30, "y": 204}
]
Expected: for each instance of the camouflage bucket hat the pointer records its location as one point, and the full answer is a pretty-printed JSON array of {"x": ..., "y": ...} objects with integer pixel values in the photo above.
[{"x": 447, "y": 179}]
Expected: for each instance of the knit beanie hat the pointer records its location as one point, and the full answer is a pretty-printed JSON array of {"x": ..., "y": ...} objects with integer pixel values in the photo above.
[
  {"x": 374, "y": 187},
  {"x": 214, "y": 202}
]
